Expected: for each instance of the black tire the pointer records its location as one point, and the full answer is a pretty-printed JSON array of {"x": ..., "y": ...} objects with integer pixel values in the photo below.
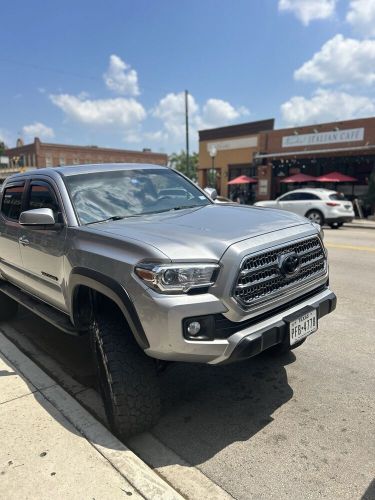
[
  {"x": 8, "y": 307},
  {"x": 335, "y": 225},
  {"x": 127, "y": 377},
  {"x": 315, "y": 216},
  {"x": 283, "y": 348}
]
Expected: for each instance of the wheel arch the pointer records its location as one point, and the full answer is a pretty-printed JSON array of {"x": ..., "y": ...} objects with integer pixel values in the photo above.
[{"x": 86, "y": 284}]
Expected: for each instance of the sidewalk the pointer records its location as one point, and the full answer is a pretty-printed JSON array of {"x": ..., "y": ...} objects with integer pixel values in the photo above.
[
  {"x": 363, "y": 223},
  {"x": 50, "y": 446}
]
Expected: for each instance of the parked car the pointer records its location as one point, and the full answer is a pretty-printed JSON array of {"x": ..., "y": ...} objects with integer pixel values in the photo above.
[
  {"x": 322, "y": 206},
  {"x": 106, "y": 251}
]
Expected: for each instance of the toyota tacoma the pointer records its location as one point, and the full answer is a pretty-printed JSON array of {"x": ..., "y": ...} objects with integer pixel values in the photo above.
[{"x": 145, "y": 263}]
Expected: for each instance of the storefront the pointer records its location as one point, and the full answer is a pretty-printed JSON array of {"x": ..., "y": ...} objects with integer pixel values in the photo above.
[
  {"x": 228, "y": 152},
  {"x": 347, "y": 147},
  {"x": 270, "y": 155}
]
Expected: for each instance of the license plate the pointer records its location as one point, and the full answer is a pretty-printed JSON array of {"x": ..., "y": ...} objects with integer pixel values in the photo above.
[{"x": 303, "y": 326}]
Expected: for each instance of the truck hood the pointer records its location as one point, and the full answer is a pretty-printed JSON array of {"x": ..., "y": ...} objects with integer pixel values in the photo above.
[{"x": 200, "y": 233}]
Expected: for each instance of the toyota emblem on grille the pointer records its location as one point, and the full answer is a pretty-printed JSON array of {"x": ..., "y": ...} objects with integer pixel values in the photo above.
[{"x": 289, "y": 263}]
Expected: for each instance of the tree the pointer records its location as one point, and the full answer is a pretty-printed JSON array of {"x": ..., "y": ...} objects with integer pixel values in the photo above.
[
  {"x": 177, "y": 161},
  {"x": 2, "y": 148}
]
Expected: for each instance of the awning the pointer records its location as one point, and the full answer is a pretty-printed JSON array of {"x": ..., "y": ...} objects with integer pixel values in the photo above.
[
  {"x": 313, "y": 152},
  {"x": 243, "y": 179},
  {"x": 336, "y": 177}
]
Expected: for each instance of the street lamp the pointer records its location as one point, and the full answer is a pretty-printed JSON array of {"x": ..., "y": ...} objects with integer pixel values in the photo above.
[{"x": 213, "y": 152}]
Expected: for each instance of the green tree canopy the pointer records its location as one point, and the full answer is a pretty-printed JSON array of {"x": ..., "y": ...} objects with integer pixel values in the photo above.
[
  {"x": 2, "y": 148},
  {"x": 177, "y": 161}
]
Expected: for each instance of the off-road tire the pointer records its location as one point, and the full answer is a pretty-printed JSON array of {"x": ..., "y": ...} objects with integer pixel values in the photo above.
[
  {"x": 127, "y": 377},
  {"x": 8, "y": 307},
  {"x": 315, "y": 216},
  {"x": 283, "y": 348}
]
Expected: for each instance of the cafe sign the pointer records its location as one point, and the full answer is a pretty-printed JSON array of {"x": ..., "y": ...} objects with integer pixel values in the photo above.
[{"x": 316, "y": 139}]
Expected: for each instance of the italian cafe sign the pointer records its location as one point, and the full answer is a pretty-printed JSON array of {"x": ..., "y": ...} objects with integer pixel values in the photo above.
[{"x": 348, "y": 135}]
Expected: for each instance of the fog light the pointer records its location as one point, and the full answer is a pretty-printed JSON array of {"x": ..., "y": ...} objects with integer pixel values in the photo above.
[{"x": 194, "y": 328}]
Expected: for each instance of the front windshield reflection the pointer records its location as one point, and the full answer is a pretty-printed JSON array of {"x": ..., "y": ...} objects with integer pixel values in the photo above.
[{"x": 100, "y": 196}]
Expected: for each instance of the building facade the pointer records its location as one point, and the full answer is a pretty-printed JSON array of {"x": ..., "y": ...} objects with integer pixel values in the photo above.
[
  {"x": 227, "y": 152},
  {"x": 346, "y": 146},
  {"x": 40, "y": 154}
]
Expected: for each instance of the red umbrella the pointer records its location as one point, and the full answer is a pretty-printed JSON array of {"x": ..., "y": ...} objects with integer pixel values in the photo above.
[
  {"x": 336, "y": 177},
  {"x": 243, "y": 179},
  {"x": 298, "y": 178}
]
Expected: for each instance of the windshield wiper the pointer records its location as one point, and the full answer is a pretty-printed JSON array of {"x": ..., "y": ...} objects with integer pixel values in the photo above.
[{"x": 113, "y": 217}]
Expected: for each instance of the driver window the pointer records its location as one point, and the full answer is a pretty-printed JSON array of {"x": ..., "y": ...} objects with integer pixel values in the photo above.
[{"x": 42, "y": 197}]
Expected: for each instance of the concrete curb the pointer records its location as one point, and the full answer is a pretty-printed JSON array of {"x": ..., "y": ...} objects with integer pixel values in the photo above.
[{"x": 131, "y": 467}]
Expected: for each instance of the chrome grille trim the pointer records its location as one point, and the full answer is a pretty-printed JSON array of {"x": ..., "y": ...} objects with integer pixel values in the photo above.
[{"x": 260, "y": 278}]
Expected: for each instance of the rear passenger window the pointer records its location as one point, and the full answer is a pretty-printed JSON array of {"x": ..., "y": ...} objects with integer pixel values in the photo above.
[
  {"x": 42, "y": 197},
  {"x": 308, "y": 196},
  {"x": 11, "y": 205}
]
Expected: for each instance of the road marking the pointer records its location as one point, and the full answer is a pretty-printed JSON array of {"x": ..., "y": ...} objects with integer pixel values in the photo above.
[{"x": 351, "y": 247}]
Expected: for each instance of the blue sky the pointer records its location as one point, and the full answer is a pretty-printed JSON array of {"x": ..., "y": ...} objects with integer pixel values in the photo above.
[{"x": 113, "y": 73}]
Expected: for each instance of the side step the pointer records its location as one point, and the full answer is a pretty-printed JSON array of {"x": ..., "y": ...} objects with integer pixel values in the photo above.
[{"x": 48, "y": 313}]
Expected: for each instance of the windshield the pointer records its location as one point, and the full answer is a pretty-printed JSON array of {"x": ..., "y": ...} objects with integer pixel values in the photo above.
[{"x": 100, "y": 196}]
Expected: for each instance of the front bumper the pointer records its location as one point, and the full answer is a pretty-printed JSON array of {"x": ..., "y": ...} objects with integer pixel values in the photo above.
[
  {"x": 167, "y": 342},
  {"x": 275, "y": 333}
]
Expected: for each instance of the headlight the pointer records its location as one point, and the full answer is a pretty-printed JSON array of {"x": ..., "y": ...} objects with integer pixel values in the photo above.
[
  {"x": 177, "y": 278},
  {"x": 319, "y": 228}
]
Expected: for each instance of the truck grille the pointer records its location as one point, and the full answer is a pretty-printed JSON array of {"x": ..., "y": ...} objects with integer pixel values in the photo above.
[{"x": 260, "y": 276}]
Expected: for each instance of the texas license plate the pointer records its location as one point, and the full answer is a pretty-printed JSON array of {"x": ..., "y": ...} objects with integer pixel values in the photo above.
[{"x": 303, "y": 326}]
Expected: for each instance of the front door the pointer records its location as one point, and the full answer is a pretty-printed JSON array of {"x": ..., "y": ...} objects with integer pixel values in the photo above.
[{"x": 43, "y": 249}]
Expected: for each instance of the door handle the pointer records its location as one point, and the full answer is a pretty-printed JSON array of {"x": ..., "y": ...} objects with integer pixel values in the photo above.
[{"x": 24, "y": 241}]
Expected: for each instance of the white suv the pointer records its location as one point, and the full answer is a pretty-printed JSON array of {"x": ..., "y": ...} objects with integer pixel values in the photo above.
[{"x": 322, "y": 206}]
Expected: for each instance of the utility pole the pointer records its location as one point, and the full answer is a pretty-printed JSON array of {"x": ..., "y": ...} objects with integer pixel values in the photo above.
[{"x": 187, "y": 132}]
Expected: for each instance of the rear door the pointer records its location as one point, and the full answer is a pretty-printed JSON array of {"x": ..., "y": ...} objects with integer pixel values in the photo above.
[
  {"x": 10, "y": 255},
  {"x": 43, "y": 249}
]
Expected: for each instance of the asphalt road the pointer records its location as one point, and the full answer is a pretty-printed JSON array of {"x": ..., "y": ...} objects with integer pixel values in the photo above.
[{"x": 298, "y": 427}]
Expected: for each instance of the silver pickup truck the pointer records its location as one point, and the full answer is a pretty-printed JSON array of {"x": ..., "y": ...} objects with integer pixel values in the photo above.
[{"x": 142, "y": 260}]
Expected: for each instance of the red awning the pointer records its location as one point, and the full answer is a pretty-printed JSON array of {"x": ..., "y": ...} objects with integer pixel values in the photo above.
[
  {"x": 336, "y": 177},
  {"x": 243, "y": 179},
  {"x": 299, "y": 178}
]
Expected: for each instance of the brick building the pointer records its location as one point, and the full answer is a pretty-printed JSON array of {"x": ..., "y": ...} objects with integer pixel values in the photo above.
[
  {"x": 41, "y": 154},
  {"x": 257, "y": 150}
]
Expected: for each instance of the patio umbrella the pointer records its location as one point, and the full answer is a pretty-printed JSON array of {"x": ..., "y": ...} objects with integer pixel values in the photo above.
[
  {"x": 243, "y": 179},
  {"x": 299, "y": 179},
  {"x": 335, "y": 178}
]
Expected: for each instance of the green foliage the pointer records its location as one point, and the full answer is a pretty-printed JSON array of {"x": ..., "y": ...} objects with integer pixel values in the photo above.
[
  {"x": 2, "y": 148},
  {"x": 177, "y": 161}
]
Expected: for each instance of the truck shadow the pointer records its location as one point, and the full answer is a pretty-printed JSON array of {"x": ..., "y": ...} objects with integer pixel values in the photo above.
[{"x": 206, "y": 408}]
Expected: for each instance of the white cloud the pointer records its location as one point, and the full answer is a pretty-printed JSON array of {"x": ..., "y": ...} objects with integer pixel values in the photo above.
[
  {"x": 361, "y": 16},
  {"x": 309, "y": 10},
  {"x": 341, "y": 60},
  {"x": 217, "y": 112},
  {"x": 119, "y": 112},
  {"x": 38, "y": 129},
  {"x": 171, "y": 111},
  {"x": 120, "y": 78},
  {"x": 326, "y": 105}
]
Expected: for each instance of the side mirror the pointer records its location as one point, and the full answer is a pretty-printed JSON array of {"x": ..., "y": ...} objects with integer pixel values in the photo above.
[
  {"x": 37, "y": 217},
  {"x": 212, "y": 193}
]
